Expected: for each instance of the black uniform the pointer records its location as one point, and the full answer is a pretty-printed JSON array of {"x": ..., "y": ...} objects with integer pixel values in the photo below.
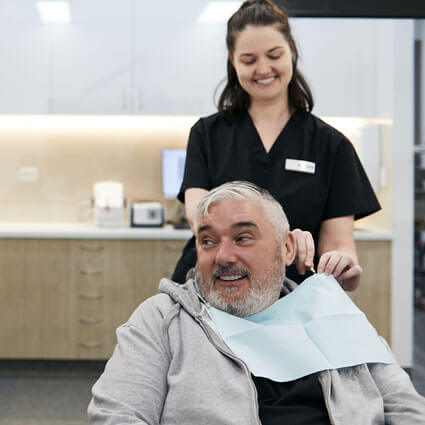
[{"x": 325, "y": 178}]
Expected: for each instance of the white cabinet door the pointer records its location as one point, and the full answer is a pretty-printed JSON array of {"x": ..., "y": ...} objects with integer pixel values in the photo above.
[
  {"x": 178, "y": 61},
  {"x": 140, "y": 57},
  {"x": 348, "y": 63},
  {"x": 136, "y": 57},
  {"x": 25, "y": 71},
  {"x": 92, "y": 60}
]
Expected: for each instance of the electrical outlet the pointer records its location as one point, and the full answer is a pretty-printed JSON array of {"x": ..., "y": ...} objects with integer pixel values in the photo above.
[{"x": 28, "y": 174}]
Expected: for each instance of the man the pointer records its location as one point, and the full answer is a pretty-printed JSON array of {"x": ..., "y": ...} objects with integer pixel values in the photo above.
[{"x": 174, "y": 362}]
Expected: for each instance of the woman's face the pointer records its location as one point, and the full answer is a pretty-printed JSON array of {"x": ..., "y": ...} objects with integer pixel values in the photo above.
[{"x": 263, "y": 62}]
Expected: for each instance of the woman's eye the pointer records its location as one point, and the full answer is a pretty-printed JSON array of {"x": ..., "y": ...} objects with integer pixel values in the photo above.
[{"x": 274, "y": 57}]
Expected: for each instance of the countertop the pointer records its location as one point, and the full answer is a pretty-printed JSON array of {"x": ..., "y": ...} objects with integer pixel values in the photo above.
[
  {"x": 64, "y": 230},
  {"x": 67, "y": 230}
]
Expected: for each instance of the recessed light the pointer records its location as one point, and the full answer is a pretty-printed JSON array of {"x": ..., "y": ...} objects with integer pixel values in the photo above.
[
  {"x": 218, "y": 11},
  {"x": 54, "y": 11}
]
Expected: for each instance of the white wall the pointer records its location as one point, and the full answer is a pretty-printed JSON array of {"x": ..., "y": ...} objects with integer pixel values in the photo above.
[
  {"x": 349, "y": 65},
  {"x": 403, "y": 192}
]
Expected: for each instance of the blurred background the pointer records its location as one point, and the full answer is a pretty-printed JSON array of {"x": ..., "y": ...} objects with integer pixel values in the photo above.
[{"x": 95, "y": 91}]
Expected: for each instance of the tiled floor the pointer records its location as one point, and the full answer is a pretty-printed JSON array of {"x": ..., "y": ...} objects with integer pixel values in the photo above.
[
  {"x": 34, "y": 393},
  {"x": 54, "y": 393}
]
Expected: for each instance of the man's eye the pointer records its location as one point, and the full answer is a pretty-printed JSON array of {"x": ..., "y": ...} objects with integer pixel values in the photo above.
[
  {"x": 206, "y": 242},
  {"x": 244, "y": 238}
]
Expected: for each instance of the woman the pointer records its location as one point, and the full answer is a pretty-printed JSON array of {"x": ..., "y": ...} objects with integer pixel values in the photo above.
[{"x": 264, "y": 133}]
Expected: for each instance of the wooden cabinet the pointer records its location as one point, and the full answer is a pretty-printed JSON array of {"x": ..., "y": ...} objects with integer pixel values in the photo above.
[
  {"x": 35, "y": 293},
  {"x": 64, "y": 299},
  {"x": 14, "y": 299},
  {"x": 373, "y": 296}
]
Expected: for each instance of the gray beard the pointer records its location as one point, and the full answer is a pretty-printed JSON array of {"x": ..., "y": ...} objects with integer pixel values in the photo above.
[{"x": 257, "y": 299}]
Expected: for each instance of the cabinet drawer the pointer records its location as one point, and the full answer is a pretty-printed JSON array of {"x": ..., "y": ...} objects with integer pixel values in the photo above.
[
  {"x": 94, "y": 340},
  {"x": 64, "y": 299},
  {"x": 171, "y": 249},
  {"x": 94, "y": 257}
]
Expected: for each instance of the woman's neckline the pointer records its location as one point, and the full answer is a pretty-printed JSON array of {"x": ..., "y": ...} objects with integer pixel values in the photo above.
[{"x": 269, "y": 130}]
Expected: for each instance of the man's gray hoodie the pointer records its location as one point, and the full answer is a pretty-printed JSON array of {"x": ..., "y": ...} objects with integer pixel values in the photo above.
[{"x": 170, "y": 367}]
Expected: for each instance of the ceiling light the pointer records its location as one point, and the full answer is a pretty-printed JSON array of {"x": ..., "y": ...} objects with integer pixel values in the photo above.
[
  {"x": 54, "y": 11},
  {"x": 218, "y": 11}
]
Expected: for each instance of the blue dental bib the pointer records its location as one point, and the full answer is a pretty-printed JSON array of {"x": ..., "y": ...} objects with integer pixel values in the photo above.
[{"x": 313, "y": 328}]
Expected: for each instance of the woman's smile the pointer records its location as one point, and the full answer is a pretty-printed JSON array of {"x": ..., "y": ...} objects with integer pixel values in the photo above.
[{"x": 266, "y": 81}]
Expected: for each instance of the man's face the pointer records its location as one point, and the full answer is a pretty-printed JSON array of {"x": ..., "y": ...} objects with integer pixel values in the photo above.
[{"x": 240, "y": 266}]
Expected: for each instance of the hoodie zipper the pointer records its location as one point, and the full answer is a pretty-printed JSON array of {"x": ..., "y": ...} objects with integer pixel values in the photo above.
[{"x": 227, "y": 353}]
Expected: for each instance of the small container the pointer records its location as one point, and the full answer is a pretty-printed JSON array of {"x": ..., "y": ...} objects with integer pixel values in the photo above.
[
  {"x": 109, "y": 204},
  {"x": 147, "y": 214}
]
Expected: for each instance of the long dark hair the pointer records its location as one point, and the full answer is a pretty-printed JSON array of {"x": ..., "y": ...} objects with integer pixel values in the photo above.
[{"x": 234, "y": 99}]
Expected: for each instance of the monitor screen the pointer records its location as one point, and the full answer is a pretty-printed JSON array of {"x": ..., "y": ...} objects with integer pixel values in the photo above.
[{"x": 172, "y": 168}]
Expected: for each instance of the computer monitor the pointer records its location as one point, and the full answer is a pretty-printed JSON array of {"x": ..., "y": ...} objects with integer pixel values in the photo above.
[{"x": 172, "y": 169}]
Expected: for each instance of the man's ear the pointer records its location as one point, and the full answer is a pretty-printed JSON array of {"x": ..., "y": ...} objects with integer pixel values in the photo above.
[{"x": 289, "y": 248}]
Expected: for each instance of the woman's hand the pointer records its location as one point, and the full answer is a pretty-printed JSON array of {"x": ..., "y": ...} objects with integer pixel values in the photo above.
[
  {"x": 192, "y": 197},
  {"x": 304, "y": 250},
  {"x": 337, "y": 252},
  {"x": 343, "y": 266}
]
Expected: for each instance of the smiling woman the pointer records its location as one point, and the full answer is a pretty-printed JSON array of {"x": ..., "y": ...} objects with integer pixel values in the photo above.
[
  {"x": 262, "y": 59},
  {"x": 272, "y": 26},
  {"x": 264, "y": 133}
]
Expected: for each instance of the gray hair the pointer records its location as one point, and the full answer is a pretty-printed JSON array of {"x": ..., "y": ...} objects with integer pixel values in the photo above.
[{"x": 242, "y": 190}]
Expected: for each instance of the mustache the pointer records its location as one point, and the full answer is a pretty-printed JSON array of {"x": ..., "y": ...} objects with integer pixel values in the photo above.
[{"x": 220, "y": 270}]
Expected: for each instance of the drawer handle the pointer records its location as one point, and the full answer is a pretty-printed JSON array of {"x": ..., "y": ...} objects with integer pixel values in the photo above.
[
  {"x": 91, "y": 296},
  {"x": 91, "y": 344},
  {"x": 91, "y": 272},
  {"x": 92, "y": 247},
  {"x": 173, "y": 247},
  {"x": 91, "y": 320}
]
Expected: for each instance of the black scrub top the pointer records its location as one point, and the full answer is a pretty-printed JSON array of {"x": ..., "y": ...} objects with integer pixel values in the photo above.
[{"x": 220, "y": 151}]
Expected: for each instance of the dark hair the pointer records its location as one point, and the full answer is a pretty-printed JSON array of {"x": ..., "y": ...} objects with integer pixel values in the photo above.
[{"x": 234, "y": 99}]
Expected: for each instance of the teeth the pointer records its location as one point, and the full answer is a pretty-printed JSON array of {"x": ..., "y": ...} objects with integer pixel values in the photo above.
[
  {"x": 266, "y": 80},
  {"x": 235, "y": 277}
]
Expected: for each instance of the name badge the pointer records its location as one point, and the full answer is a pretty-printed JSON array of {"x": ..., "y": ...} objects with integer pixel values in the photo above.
[{"x": 300, "y": 165}]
